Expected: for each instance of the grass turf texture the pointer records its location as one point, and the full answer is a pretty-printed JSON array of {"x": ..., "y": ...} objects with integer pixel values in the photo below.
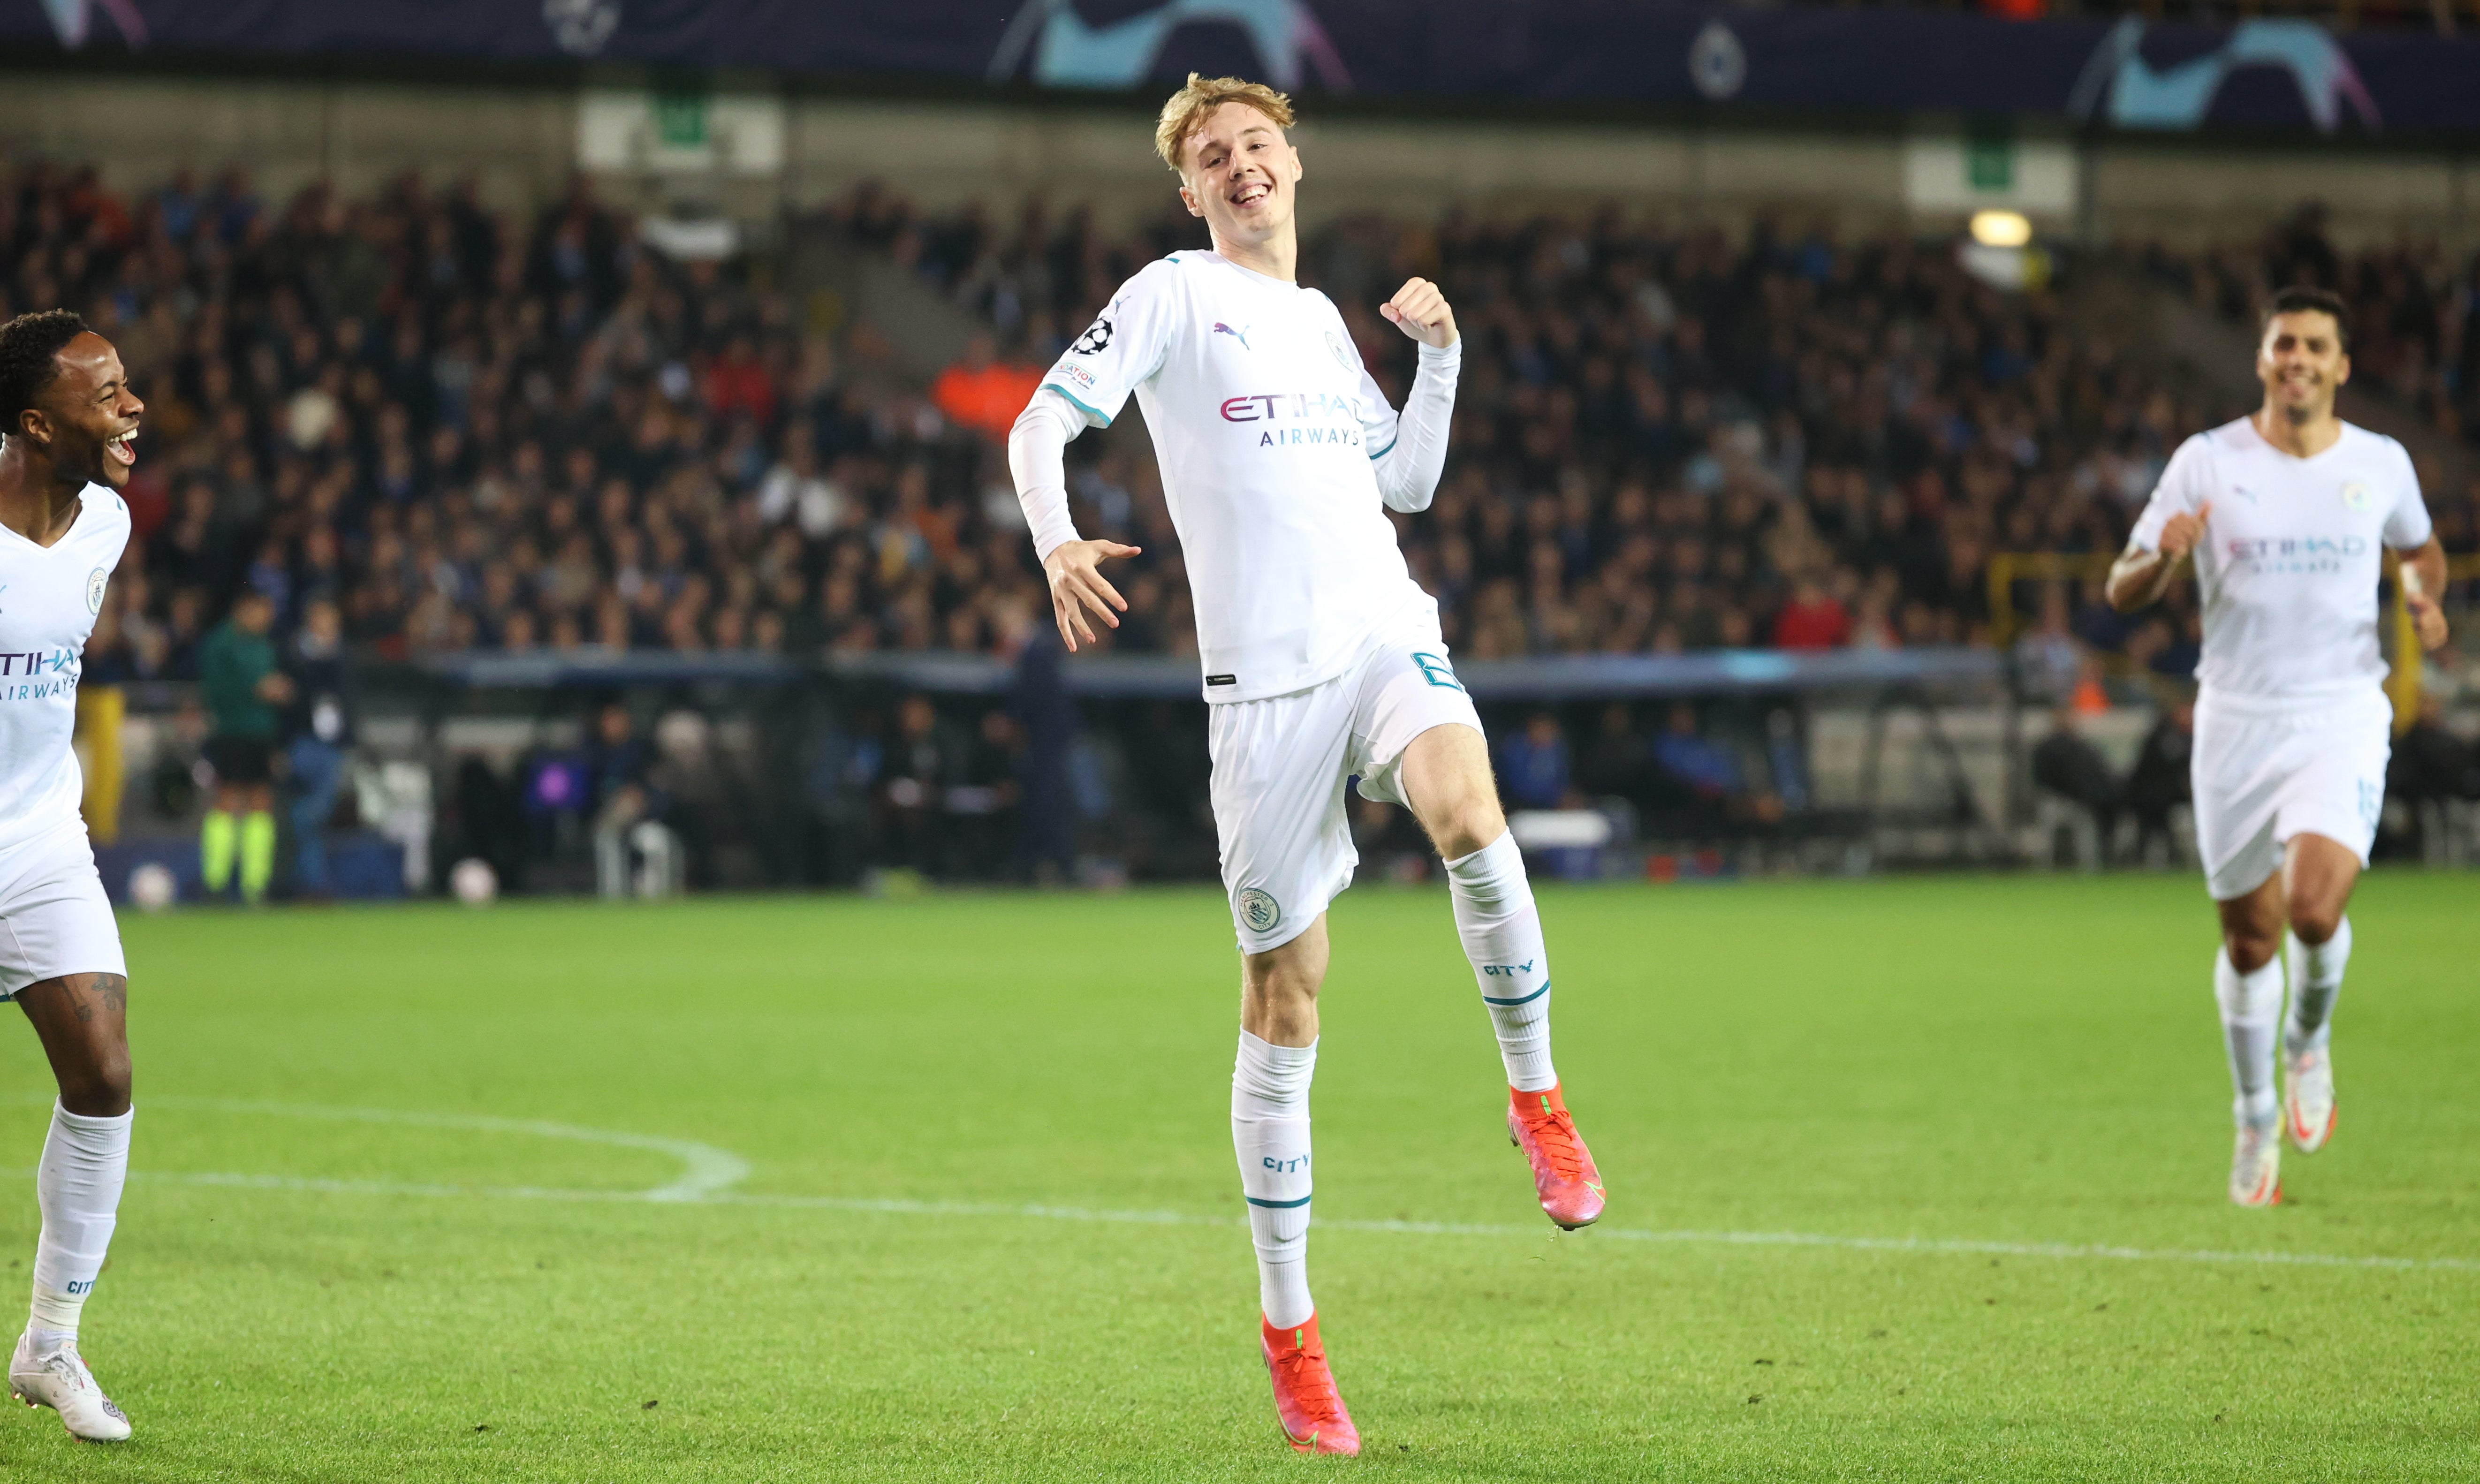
[{"x": 2008, "y": 1060}]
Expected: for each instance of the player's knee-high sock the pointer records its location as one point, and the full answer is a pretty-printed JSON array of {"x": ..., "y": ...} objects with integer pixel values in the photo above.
[
  {"x": 217, "y": 834},
  {"x": 1270, "y": 1134},
  {"x": 257, "y": 853},
  {"x": 78, "y": 1187},
  {"x": 2316, "y": 983},
  {"x": 1502, "y": 934},
  {"x": 2250, "y": 1010}
]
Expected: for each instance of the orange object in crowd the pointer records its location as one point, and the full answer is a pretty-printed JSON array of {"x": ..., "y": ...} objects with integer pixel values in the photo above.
[{"x": 986, "y": 397}]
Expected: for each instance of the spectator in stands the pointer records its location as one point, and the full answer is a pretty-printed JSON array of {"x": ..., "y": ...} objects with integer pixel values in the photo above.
[
  {"x": 632, "y": 850},
  {"x": 244, "y": 688},
  {"x": 1814, "y": 619},
  {"x": 318, "y": 727},
  {"x": 2431, "y": 764},
  {"x": 1695, "y": 761},
  {"x": 2066, "y": 763},
  {"x": 981, "y": 805},
  {"x": 1533, "y": 766},
  {"x": 922, "y": 758},
  {"x": 2158, "y": 781},
  {"x": 984, "y": 392}
]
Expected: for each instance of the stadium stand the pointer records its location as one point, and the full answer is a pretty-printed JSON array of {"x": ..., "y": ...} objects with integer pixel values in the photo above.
[{"x": 473, "y": 433}]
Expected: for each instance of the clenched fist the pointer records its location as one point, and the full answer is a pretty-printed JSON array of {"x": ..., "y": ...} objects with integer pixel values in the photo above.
[
  {"x": 2180, "y": 533},
  {"x": 1419, "y": 310}
]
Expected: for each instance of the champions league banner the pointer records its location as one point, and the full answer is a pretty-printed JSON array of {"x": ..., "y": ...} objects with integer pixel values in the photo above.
[{"x": 2131, "y": 74}]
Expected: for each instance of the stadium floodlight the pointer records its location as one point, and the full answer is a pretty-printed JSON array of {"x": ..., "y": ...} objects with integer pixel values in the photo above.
[{"x": 2000, "y": 228}]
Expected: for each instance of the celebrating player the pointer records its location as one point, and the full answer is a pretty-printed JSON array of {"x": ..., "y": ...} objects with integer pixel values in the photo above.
[
  {"x": 1323, "y": 659},
  {"x": 66, "y": 449},
  {"x": 2284, "y": 511}
]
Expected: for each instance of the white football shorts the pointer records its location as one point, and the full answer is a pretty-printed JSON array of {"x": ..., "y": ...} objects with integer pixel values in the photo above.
[
  {"x": 54, "y": 917},
  {"x": 1280, "y": 764},
  {"x": 2265, "y": 771}
]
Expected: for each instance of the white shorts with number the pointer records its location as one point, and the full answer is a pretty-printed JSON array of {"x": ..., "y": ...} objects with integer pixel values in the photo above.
[
  {"x": 1280, "y": 765},
  {"x": 54, "y": 917},
  {"x": 2266, "y": 771}
]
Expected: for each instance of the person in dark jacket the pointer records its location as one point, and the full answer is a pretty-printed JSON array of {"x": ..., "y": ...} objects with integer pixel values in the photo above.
[
  {"x": 2159, "y": 780},
  {"x": 317, "y": 728},
  {"x": 244, "y": 690}
]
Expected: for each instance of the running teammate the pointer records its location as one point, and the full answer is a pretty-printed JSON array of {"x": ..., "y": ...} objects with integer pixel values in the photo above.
[
  {"x": 1323, "y": 659},
  {"x": 2285, "y": 512},
  {"x": 64, "y": 450}
]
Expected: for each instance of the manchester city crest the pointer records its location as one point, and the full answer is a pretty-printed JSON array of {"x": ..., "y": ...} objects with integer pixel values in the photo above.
[
  {"x": 1343, "y": 352},
  {"x": 96, "y": 582},
  {"x": 2356, "y": 495},
  {"x": 1258, "y": 910}
]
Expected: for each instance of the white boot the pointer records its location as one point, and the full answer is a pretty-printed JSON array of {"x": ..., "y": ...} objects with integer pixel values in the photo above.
[{"x": 58, "y": 1379}]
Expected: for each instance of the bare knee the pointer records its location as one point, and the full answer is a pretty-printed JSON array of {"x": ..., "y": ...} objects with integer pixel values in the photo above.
[
  {"x": 2315, "y": 922},
  {"x": 1473, "y": 823},
  {"x": 101, "y": 1088},
  {"x": 1278, "y": 988},
  {"x": 2250, "y": 948}
]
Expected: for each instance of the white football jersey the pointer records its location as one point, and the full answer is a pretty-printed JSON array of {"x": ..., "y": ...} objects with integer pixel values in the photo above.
[
  {"x": 1265, "y": 424},
  {"x": 49, "y": 596},
  {"x": 2288, "y": 562}
]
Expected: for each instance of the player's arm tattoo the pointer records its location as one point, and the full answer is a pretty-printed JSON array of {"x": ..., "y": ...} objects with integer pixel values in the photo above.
[{"x": 107, "y": 992}]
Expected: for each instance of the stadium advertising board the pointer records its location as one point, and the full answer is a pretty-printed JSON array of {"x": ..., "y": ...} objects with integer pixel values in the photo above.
[{"x": 2127, "y": 73}]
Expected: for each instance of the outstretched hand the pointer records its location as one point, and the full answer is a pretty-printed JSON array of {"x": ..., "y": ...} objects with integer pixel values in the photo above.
[
  {"x": 1419, "y": 310},
  {"x": 1078, "y": 587}
]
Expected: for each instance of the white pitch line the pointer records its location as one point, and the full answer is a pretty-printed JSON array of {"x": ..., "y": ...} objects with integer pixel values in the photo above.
[
  {"x": 709, "y": 1173},
  {"x": 705, "y": 1169}
]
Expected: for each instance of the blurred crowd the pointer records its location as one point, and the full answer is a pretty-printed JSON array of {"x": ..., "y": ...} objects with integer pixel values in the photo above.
[
  {"x": 1669, "y": 441},
  {"x": 469, "y": 430},
  {"x": 2414, "y": 307}
]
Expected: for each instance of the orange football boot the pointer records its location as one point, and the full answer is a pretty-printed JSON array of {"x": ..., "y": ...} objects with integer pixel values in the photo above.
[
  {"x": 1314, "y": 1420},
  {"x": 1563, "y": 1176}
]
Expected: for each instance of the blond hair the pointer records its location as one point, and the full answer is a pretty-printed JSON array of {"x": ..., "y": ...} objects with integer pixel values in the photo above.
[{"x": 1185, "y": 112}]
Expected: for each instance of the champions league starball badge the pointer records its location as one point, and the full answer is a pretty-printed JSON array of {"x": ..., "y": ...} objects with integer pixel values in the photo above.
[{"x": 1258, "y": 910}]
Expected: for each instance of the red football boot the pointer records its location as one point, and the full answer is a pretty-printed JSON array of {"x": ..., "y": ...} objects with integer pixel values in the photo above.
[
  {"x": 1563, "y": 1176},
  {"x": 1314, "y": 1420}
]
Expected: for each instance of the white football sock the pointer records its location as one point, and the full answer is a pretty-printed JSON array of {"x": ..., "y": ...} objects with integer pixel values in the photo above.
[
  {"x": 1501, "y": 932},
  {"x": 2316, "y": 983},
  {"x": 78, "y": 1185},
  {"x": 2250, "y": 1010},
  {"x": 1270, "y": 1134}
]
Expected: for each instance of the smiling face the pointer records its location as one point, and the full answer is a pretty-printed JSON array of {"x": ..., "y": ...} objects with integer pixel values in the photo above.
[
  {"x": 85, "y": 419},
  {"x": 2302, "y": 364},
  {"x": 1239, "y": 173}
]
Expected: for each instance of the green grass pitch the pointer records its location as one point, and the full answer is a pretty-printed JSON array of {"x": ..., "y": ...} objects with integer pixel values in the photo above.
[{"x": 386, "y": 1224}]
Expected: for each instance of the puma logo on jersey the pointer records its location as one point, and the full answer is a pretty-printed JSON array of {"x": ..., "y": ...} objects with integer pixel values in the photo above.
[{"x": 1241, "y": 334}]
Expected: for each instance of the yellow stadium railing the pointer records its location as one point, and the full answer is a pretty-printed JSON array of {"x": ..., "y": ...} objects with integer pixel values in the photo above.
[{"x": 2007, "y": 568}]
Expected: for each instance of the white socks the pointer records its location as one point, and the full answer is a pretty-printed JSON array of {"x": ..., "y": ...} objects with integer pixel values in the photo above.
[
  {"x": 1501, "y": 932},
  {"x": 2251, "y": 1008},
  {"x": 1270, "y": 1134},
  {"x": 78, "y": 1187},
  {"x": 2315, "y": 980}
]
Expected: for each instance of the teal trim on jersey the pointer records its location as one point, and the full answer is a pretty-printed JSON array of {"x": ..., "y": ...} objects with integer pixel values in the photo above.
[
  {"x": 1526, "y": 1000},
  {"x": 1276, "y": 1205},
  {"x": 1389, "y": 448},
  {"x": 1080, "y": 406}
]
